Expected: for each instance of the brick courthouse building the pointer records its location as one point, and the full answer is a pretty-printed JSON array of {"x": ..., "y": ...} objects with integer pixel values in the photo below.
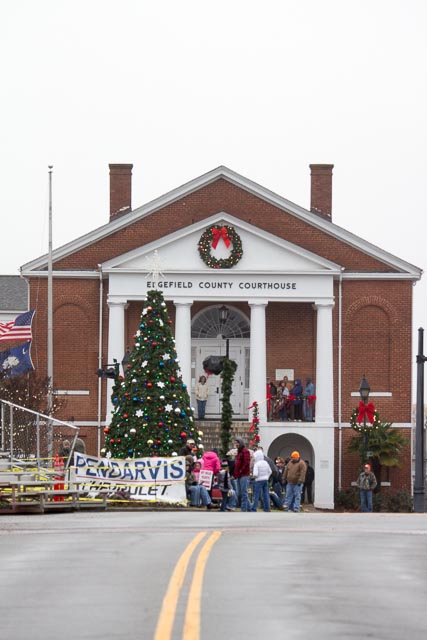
[{"x": 306, "y": 298}]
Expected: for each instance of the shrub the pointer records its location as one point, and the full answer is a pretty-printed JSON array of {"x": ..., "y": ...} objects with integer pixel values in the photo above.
[
  {"x": 347, "y": 499},
  {"x": 399, "y": 502}
]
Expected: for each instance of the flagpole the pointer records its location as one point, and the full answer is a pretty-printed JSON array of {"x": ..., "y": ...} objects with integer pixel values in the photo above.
[{"x": 50, "y": 321}]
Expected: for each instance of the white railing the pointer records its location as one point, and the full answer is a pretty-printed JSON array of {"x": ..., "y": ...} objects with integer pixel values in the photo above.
[{"x": 29, "y": 439}]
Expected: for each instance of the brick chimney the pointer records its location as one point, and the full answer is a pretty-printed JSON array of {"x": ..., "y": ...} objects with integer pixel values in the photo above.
[
  {"x": 120, "y": 189},
  {"x": 321, "y": 189}
]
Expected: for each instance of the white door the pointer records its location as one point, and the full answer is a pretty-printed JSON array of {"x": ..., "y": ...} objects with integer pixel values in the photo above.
[{"x": 206, "y": 348}]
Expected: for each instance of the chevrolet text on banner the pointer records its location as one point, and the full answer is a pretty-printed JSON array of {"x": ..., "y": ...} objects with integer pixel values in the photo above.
[
  {"x": 151, "y": 479},
  {"x": 16, "y": 361},
  {"x": 18, "y": 329}
]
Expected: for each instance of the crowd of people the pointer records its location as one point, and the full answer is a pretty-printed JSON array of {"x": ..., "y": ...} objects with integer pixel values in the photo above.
[
  {"x": 247, "y": 479},
  {"x": 290, "y": 400}
]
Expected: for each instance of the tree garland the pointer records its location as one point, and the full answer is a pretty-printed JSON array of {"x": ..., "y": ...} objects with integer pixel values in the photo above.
[
  {"x": 227, "y": 376},
  {"x": 254, "y": 428},
  {"x": 210, "y": 238}
]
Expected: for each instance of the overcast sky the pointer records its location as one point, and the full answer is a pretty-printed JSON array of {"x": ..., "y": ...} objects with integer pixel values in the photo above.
[{"x": 180, "y": 87}]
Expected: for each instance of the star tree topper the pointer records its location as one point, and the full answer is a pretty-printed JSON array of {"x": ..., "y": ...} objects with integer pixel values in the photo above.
[{"x": 155, "y": 267}]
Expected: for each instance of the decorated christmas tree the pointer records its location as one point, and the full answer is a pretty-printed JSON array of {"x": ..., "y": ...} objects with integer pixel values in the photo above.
[{"x": 152, "y": 415}]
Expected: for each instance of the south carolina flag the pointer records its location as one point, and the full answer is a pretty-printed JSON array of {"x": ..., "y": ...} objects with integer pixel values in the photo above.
[
  {"x": 16, "y": 361},
  {"x": 18, "y": 329}
]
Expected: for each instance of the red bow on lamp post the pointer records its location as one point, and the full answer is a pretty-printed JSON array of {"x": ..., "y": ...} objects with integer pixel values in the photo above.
[
  {"x": 366, "y": 410},
  {"x": 217, "y": 234}
]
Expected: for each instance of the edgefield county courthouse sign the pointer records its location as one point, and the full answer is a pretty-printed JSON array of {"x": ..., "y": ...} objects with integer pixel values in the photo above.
[
  {"x": 150, "y": 479},
  {"x": 274, "y": 286}
]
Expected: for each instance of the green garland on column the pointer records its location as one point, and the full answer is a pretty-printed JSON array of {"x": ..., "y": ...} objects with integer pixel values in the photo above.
[{"x": 227, "y": 376}]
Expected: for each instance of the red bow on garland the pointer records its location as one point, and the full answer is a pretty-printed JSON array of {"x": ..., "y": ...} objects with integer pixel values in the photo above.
[
  {"x": 311, "y": 399},
  {"x": 217, "y": 234},
  {"x": 366, "y": 410}
]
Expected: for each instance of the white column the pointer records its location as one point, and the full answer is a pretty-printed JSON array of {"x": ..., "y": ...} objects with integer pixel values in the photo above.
[
  {"x": 183, "y": 338},
  {"x": 324, "y": 365},
  {"x": 116, "y": 330},
  {"x": 116, "y": 343},
  {"x": 258, "y": 366}
]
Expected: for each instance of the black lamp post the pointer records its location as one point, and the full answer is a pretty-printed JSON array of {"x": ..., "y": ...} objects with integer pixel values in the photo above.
[
  {"x": 111, "y": 370},
  {"x": 364, "y": 391},
  {"x": 419, "y": 481},
  {"x": 125, "y": 361},
  {"x": 224, "y": 314}
]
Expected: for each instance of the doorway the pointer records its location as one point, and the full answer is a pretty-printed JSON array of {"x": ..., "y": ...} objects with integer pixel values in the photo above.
[{"x": 212, "y": 329}]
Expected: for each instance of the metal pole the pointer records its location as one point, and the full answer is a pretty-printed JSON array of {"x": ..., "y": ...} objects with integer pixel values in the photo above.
[
  {"x": 364, "y": 434},
  {"x": 2, "y": 426},
  {"x": 227, "y": 348},
  {"x": 100, "y": 335},
  {"x": 419, "y": 483},
  {"x": 11, "y": 435},
  {"x": 50, "y": 325},
  {"x": 38, "y": 441}
]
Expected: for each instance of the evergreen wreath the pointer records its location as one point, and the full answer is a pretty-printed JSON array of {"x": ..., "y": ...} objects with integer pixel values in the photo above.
[
  {"x": 359, "y": 426},
  {"x": 211, "y": 237}
]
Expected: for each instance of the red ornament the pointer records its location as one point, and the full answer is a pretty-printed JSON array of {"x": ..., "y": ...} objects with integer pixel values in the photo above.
[
  {"x": 107, "y": 430},
  {"x": 125, "y": 415},
  {"x": 149, "y": 384},
  {"x": 172, "y": 379},
  {"x": 160, "y": 424},
  {"x": 183, "y": 434},
  {"x": 154, "y": 343},
  {"x": 149, "y": 308},
  {"x": 112, "y": 441}
]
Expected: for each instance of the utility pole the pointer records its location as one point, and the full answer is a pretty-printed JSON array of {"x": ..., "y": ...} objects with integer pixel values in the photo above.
[{"x": 419, "y": 483}]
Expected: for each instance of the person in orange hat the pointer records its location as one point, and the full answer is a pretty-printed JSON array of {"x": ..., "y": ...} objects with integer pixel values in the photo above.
[
  {"x": 366, "y": 483},
  {"x": 293, "y": 478}
]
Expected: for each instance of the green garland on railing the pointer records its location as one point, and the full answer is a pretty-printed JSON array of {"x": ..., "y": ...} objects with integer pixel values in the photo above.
[{"x": 227, "y": 376}]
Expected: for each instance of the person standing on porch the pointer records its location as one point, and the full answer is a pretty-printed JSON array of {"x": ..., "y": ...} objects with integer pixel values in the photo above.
[
  {"x": 241, "y": 473},
  {"x": 271, "y": 393},
  {"x": 366, "y": 483},
  {"x": 294, "y": 476},
  {"x": 296, "y": 401},
  {"x": 202, "y": 392},
  {"x": 308, "y": 400}
]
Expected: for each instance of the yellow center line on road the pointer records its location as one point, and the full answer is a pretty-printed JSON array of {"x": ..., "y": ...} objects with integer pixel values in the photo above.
[
  {"x": 170, "y": 601},
  {"x": 192, "y": 616}
]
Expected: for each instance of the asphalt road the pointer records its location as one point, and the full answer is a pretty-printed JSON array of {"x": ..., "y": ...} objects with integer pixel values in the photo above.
[{"x": 243, "y": 577}]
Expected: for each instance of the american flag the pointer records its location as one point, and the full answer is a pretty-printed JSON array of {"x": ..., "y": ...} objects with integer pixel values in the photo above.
[{"x": 18, "y": 329}]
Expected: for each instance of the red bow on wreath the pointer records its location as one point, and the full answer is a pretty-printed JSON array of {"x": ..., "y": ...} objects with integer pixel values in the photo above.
[
  {"x": 366, "y": 410},
  {"x": 217, "y": 234}
]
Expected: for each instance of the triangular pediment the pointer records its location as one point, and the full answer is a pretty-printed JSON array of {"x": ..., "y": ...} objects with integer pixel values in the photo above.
[
  {"x": 262, "y": 252},
  {"x": 182, "y": 246}
]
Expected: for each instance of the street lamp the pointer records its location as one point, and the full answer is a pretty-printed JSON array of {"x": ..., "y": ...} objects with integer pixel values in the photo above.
[
  {"x": 125, "y": 361},
  {"x": 224, "y": 314},
  {"x": 364, "y": 391}
]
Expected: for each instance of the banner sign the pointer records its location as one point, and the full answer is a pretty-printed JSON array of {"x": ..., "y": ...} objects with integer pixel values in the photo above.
[
  {"x": 205, "y": 478},
  {"x": 151, "y": 479}
]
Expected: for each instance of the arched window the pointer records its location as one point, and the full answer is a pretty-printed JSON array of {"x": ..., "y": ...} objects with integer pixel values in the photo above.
[{"x": 215, "y": 322}]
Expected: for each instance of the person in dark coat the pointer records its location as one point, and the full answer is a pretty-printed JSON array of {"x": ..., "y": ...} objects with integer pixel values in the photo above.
[
  {"x": 242, "y": 464},
  {"x": 307, "y": 491},
  {"x": 187, "y": 449},
  {"x": 296, "y": 401}
]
